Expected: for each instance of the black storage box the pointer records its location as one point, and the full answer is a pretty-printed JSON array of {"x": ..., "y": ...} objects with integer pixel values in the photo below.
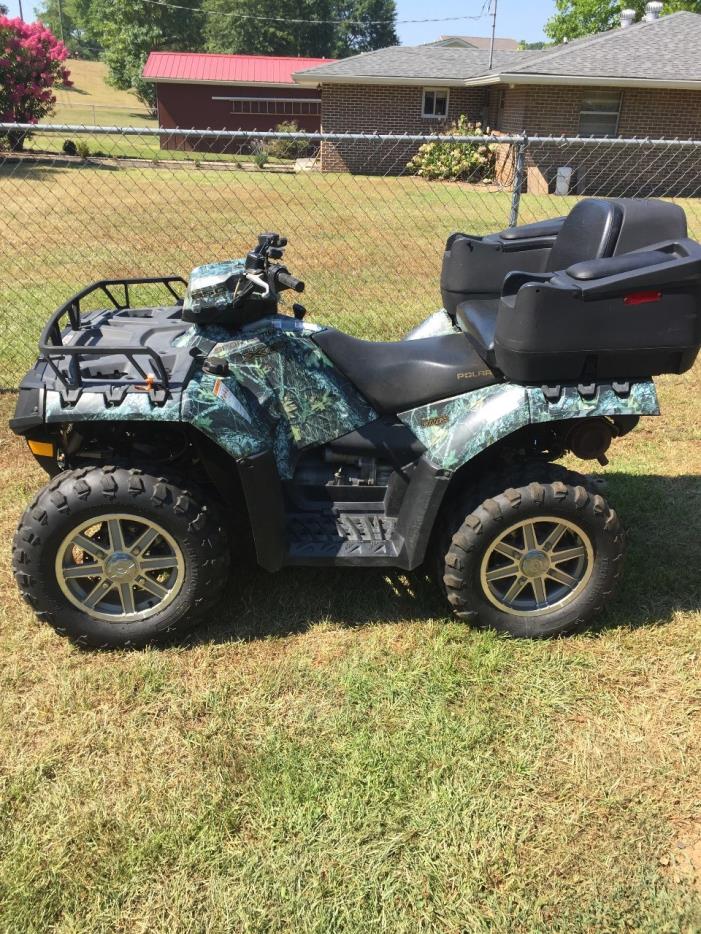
[
  {"x": 475, "y": 267},
  {"x": 625, "y": 317}
]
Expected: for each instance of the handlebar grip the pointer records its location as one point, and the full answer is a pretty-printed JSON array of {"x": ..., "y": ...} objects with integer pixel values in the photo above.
[{"x": 289, "y": 282}]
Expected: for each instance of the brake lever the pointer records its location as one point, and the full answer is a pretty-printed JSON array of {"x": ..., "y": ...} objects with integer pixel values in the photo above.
[{"x": 261, "y": 283}]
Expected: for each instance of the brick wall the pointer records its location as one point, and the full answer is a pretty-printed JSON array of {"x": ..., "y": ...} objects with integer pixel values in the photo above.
[
  {"x": 660, "y": 113},
  {"x": 540, "y": 111},
  {"x": 378, "y": 108}
]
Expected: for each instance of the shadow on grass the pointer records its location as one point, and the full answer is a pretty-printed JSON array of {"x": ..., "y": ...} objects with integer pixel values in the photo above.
[
  {"x": 38, "y": 164},
  {"x": 661, "y": 576},
  {"x": 71, "y": 89},
  {"x": 258, "y": 605}
]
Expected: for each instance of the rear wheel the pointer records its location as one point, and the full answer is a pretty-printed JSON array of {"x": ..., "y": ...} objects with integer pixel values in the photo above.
[
  {"x": 115, "y": 557},
  {"x": 539, "y": 558}
]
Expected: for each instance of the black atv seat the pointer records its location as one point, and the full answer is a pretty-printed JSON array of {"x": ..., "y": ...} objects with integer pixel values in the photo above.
[
  {"x": 595, "y": 228},
  {"x": 401, "y": 375}
]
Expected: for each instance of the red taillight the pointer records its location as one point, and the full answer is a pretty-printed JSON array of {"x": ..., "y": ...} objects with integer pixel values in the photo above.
[{"x": 642, "y": 298}]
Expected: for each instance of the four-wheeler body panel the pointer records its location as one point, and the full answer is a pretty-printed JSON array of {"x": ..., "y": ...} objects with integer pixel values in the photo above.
[{"x": 456, "y": 430}]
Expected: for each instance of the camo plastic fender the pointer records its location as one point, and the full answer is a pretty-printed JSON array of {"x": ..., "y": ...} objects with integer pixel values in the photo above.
[
  {"x": 456, "y": 430},
  {"x": 278, "y": 392}
]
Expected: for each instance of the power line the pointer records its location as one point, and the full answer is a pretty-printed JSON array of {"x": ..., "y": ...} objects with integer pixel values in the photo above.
[{"x": 287, "y": 19}]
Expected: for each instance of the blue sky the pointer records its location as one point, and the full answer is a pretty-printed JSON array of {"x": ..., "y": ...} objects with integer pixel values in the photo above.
[{"x": 519, "y": 19}]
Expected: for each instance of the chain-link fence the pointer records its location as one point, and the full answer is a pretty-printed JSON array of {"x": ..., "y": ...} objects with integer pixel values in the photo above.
[{"x": 366, "y": 232}]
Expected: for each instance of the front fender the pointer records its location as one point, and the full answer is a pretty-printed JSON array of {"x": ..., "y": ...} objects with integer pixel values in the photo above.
[
  {"x": 278, "y": 392},
  {"x": 458, "y": 429}
]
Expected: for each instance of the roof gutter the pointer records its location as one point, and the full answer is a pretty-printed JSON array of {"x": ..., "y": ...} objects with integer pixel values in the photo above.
[
  {"x": 581, "y": 81},
  {"x": 307, "y": 80}
]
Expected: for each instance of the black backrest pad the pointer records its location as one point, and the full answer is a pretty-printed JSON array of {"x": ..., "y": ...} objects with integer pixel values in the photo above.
[
  {"x": 646, "y": 221},
  {"x": 601, "y": 227},
  {"x": 589, "y": 232}
]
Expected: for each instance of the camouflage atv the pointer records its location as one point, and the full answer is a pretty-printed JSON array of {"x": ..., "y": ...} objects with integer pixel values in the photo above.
[{"x": 178, "y": 435}]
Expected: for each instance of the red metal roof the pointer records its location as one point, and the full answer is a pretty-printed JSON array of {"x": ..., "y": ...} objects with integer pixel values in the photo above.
[{"x": 226, "y": 69}]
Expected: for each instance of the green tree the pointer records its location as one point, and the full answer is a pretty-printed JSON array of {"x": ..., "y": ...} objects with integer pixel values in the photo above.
[
  {"x": 280, "y": 28},
  {"x": 576, "y": 18},
  {"x": 129, "y": 29},
  {"x": 71, "y": 21},
  {"x": 320, "y": 28},
  {"x": 533, "y": 46},
  {"x": 377, "y": 29}
]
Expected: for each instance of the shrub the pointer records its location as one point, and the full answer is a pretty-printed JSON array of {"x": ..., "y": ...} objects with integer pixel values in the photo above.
[
  {"x": 69, "y": 148},
  {"x": 261, "y": 158},
  {"x": 260, "y": 153},
  {"x": 82, "y": 149},
  {"x": 288, "y": 148},
  {"x": 446, "y": 160}
]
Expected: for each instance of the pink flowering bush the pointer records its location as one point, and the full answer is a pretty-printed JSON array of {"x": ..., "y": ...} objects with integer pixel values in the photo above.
[{"x": 31, "y": 63}]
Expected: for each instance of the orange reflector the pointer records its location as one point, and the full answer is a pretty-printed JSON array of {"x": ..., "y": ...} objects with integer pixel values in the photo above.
[{"x": 41, "y": 448}]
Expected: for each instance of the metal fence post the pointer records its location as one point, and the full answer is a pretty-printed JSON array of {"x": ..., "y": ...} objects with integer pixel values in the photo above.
[{"x": 518, "y": 180}]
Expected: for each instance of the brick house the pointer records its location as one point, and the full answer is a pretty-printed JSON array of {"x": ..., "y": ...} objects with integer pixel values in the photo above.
[{"x": 642, "y": 79}]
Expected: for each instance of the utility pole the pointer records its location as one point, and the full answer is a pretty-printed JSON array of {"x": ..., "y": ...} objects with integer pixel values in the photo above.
[
  {"x": 60, "y": 18},
  {"x": 20, "y": 11},
  {"x": 494, "y": 29}
]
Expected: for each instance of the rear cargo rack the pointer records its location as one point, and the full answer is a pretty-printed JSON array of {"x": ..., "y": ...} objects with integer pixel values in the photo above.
[{"x": 53, "y": 349}]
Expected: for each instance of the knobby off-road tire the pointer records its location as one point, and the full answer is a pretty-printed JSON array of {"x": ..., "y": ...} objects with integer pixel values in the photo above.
[
  {"x": 499, "y": 558},
  {"x": 158, "y": 552}
]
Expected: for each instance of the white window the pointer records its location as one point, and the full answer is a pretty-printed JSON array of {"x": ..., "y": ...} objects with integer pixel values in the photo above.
[
  {"x": 435, "y": 102},
  {"x": 599, "y": 114}
]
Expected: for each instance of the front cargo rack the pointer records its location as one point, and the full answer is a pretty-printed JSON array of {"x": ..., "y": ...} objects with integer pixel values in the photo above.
[{"x": 53, "y": 349}]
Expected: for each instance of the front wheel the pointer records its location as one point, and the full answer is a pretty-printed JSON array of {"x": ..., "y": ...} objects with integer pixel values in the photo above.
[
  {"x": 115, "y": 557},
  {"x": 538, "y": 559}
]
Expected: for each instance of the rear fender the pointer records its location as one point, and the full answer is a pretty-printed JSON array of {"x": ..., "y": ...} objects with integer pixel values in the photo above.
[{"x": 458, "y": 429}]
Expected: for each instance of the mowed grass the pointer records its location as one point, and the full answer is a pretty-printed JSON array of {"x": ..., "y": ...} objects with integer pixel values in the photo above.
[
  {"x": 333, "y": 753},
  {"x": 91, "y": 100}
]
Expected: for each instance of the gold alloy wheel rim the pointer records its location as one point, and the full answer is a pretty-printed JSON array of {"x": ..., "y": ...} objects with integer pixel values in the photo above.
[
  {"x": 120, "y": 568},
  {"x": 536, "y": 566}
]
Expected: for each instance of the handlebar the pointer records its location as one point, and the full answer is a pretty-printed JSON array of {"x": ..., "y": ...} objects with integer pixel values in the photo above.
[{"x": 287, "y": 281}]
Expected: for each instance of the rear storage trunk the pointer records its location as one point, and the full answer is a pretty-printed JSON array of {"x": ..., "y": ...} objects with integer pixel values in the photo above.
[{"x": 626, "y": 317}]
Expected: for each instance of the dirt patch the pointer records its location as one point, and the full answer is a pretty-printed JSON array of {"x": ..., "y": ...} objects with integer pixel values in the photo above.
[{"x": 683, "y": 863}]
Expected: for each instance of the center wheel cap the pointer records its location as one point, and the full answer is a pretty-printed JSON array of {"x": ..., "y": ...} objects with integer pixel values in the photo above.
[
  {"x": 121, "y": 567},
  {"x": 535, "y": 563}
]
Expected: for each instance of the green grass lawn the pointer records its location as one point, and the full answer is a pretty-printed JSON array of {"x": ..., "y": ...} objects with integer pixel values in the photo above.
[
  {"x": 333, "y": 753},
  {"x": 91, "y": 100}
]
